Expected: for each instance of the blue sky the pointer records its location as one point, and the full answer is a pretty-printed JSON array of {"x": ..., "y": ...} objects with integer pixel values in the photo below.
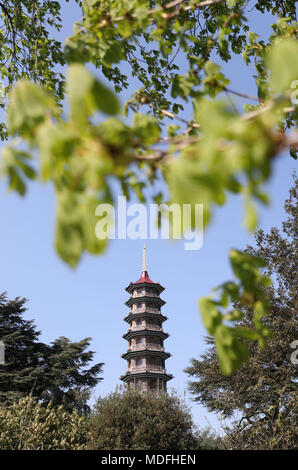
[{"x": 89, "y": 301}]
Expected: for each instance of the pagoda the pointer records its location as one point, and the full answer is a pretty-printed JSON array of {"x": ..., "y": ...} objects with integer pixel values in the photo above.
[{"x": 145, "y": 355}]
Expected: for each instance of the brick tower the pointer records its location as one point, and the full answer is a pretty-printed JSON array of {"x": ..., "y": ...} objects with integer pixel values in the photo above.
[{"x": 145, "y": 354}]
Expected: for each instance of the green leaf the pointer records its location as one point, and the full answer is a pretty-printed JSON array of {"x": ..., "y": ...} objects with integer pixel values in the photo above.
[
  {"x": 88, "y": 5},
  {"x": 251, "y": 218},
  {"x": 181, "y": 86},
  {"x": 211, "y": 316},
  {"x": 231, "y": 3},
  {"x": 283, "y": 64},
  {"x": 246, "y": 333},
  {"x": 69, "y": 237},
  {"x": 191, "y": 182},
  {"x": 88, "y": 222},
  {"x": 235, "y": 315},
  {"x": 125, "y": 28},
  {"x": 114, "y": 53},
  {"x": 56, "y": 144},
  {"x": 87, "y": 95},
  {"x": 222, "y": 117},
  {"x": 146, "y": 128},
  {"x": 15, "y": 166},
  {"x": 214, "y": 81},
  {"x": 29, "y": 105},
  {"x": 115, "y": 132},
  {"x": 231, "y": 352},
  {"x": 76, "y": 226}
]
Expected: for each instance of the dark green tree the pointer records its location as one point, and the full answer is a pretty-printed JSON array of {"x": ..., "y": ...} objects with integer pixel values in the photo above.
[
  {"x": 207, "y": 439},
  {"x": 263, "y": 393},
  {"x": 134, "y": 420},
  {"x": 59, "y": 372}
]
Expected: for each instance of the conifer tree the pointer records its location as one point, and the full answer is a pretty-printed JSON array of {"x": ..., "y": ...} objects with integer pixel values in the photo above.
[
  {"x": 59, "y": 372},
  {"x": 263, "y": 392}
]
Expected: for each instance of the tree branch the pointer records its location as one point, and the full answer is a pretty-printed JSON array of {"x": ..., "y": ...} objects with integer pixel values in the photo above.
[{"x": 168, "y": 6}]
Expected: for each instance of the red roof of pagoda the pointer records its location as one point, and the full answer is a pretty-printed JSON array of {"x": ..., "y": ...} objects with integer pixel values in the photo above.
[{"x": 144, "y": 278}]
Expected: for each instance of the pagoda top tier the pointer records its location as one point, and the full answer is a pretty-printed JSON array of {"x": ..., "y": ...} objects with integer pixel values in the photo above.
[{"x": 144, "y": 279}]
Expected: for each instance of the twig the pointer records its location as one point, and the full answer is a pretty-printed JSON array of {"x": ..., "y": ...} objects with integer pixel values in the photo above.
[
  {"x": 157, "y": 156},
  {"x": 291, "y": 140},
  {"x": 171, "y": 61},
  {"x": 174, "y": 116},
  {"x": 243, "y": 95},
  {"x": 232, "y": 103},
  {"x": 282, "y": 141},
  {"x": 264, "y": 109}
]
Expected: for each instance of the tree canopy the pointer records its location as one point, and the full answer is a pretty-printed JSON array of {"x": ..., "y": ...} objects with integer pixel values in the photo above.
[
  {"x": 59, "y": 373},
  {"x": 152, "y": 422},
  {"x": 201, "y": 157},
  {"x": 141, "y": 420},
  {"x": 262, "y": 394},
  {"x": 29, "y": 425},
  {"x": 27, "y": 49}
]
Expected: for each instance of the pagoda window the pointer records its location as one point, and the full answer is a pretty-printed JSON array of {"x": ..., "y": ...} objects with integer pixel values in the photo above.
[
  {"x": 137, "y": 292},
  {"x": 151, "y": 305},
  {"x": 152, "y": 384},
  {"x": 153, "y": 324},
  {"x": 150, "y": 291},
  {"x": 139, "y": 362}
]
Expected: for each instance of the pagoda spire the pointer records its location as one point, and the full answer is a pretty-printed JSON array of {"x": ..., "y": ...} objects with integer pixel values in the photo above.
[{"x": 144, "y": 268}]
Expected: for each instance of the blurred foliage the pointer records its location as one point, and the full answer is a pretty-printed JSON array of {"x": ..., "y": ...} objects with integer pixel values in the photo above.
[
  {"x": 249, "y": 292},
  {"x": 83, "y": 149}
]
